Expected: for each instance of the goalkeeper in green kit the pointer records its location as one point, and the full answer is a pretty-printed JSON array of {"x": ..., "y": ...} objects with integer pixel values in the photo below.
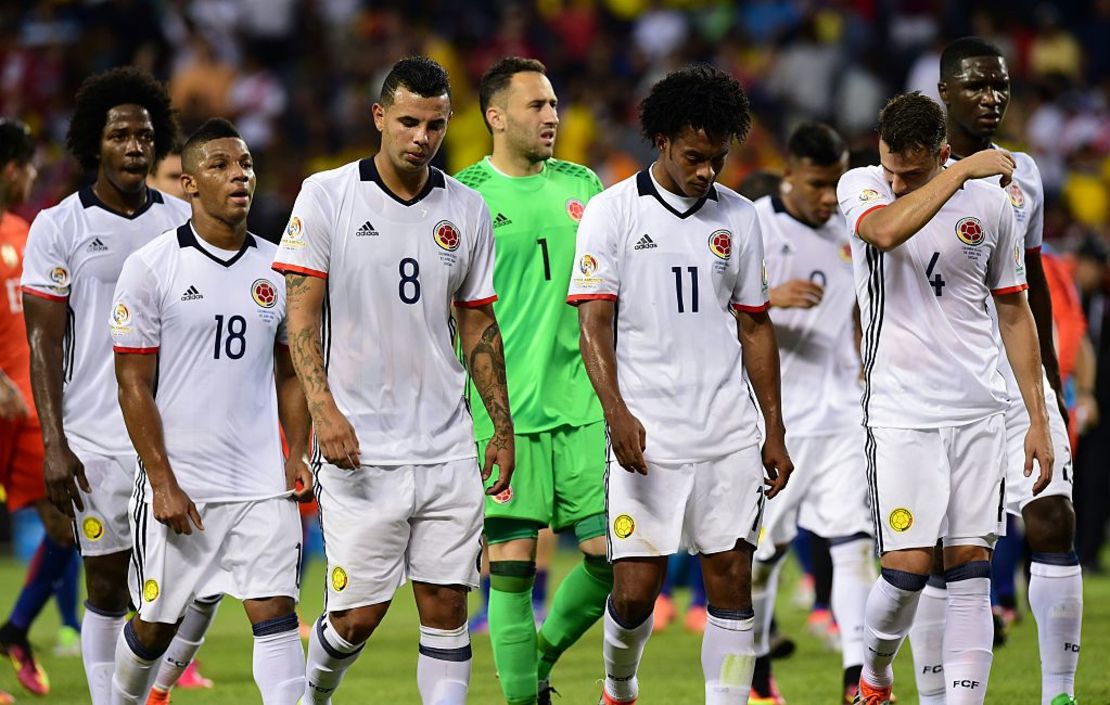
[{"x": 535, "y": 203}]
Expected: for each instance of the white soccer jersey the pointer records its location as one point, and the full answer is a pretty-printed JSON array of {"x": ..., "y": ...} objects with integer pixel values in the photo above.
[
  {"x": 817, "y": 349},
  {"x": 75, "y": 252},
  {"x": 394, "y": 268},
  {"x": 929, "y": 357},
  {"x": 213, "y": 325},
  {"x": 676, "y": 276},
  {"x": 1026, "y": 194}
]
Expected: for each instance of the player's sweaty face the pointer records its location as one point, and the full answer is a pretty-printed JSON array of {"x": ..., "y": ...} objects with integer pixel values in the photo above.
[
  {"x": 977, "y": 96},
  {"x": 412, "y": 128},
  {"x": 127, "y": 147},
  {"x": 531, "y": 115},
  {"x": 911, "y": 169},
  {"x": 224, "y": 180},
  {"x": 812, "y": 188},
  {"x": 693, "y": 160}
]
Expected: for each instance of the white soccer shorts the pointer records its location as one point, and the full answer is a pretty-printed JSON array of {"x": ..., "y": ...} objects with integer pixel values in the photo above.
[
  {"x": 934, "y": 483},
  {"x": 827, "y": 493},
  {"x": 1019, "y": 488},
  {"x": 704, "y": 506},
  {"x": 385, "y": 525},
  {"x": 102, "y": 528},
  {"x": 249, "y": 550}
]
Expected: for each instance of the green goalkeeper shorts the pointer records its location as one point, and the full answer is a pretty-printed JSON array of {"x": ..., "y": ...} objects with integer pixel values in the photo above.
[{"x": 559, "y": 478}]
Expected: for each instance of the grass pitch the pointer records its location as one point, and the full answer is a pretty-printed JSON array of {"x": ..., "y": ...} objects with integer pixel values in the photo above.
[{"x": 670, "y": 674}]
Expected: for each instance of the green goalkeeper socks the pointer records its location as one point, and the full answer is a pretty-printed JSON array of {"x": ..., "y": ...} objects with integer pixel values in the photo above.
[
  {"x": 512, "y": 629},
  {"x": 579, "y": 602}
]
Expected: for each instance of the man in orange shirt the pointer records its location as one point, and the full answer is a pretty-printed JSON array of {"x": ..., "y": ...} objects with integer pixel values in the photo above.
[{"x": 21, "y": 451}]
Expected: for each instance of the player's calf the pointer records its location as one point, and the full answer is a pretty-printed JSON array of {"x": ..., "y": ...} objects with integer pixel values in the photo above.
[
  {"x": 968, "y": 632},
  {"x": 139, "y": 646}
]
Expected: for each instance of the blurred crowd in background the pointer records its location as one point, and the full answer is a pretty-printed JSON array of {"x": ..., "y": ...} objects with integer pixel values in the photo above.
[{"x": 298, "y": 78}]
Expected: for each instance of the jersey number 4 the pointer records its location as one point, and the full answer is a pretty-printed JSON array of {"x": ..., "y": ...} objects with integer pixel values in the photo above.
[{"x": 937, "y": 282}]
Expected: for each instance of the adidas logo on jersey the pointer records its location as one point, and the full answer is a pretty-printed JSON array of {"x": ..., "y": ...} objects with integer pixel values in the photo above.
[
  {"x": 96, "y": 246},
  {"x": 367, "y": 230},
  {"x": 645, "y": 243},
  {"x": 191, "y": 294},
  {"x": 500, "y": 220}
]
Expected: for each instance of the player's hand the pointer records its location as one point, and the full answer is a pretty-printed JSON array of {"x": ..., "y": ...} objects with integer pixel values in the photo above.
[
  {"x": 65, "y": 479},
  {"x": 12, "y": 405},
  {"x": 629, "y": 439},
  {"x": 797, "y": 293},
  {"x": 297, "y": 471},
  {"x": 987, "y": 163},
  {"x": 173, "y": 508},
  {"x": 777, "y": 463},
  {"x": 1038, "y": 445},
  {"x": 337, "y": 438},
  {"x": 500, "y": 451}
]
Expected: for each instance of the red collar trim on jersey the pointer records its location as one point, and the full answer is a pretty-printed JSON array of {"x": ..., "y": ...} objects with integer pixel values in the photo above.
[
  {"x": 89, "y": 199},
  {"x": 646, "y": 187},
  {"x": 368, "y": 171},
  {"x": 186, "y": 238}
]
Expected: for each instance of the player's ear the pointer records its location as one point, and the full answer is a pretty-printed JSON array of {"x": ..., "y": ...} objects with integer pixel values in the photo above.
[
  {"x": 494, "y": 117},
  {"x": 661, "y": 142},
  {"x": 945, "y": 152},
  {"x": 188, "y": 184},
  {"x": 942, "y": 91},
  {"x": 377, "y": 111}
]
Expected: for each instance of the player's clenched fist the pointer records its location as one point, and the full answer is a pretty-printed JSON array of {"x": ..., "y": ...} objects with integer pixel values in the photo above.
[
  {"x": 500, "y": 451},
  {"x": 297, "y": 471},
  {"x": 777, "y": 463},
  {"x": 629, "y": 440},
  {"x": 337, "y": 438},
  {"x": 173, "y": 508},
  {"x": 987, "y": 163},
  {"x": 797, "y": 293}
]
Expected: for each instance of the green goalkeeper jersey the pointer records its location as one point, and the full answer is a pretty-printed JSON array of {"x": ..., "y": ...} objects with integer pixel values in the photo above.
[{"x": 535, "y": 222}]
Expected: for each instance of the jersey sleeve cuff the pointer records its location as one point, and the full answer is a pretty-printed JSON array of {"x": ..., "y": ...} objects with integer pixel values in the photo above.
[
  {"x": 575, "y": 299},
  {"x": 1009, "y": 290},
  {"x": 283, "y": 268},
  {"x": 752, "y": 309},
  {"x": 476, "y": 303},
  {"x": 869, "y": 211},
  {"x": 125, "y": 350},
  {"x": 42, "y": 294}
]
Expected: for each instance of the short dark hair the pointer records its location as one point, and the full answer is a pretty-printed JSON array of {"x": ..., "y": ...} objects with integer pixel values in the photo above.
[
  {"x": 758, "y": 184},
  {"x": 912, "y": 121},
  {"x": 419, "y": 74},
  {"x": 120, "y": 86},
  {"x": 964, "y": 48},
  {"x": 16, "y": 144},
  {"x": 211, "y": 129},
  {"x": 701, "y": 97},
  {"x": 818, "y": 143},
  {"x": 497, "y": 78}
]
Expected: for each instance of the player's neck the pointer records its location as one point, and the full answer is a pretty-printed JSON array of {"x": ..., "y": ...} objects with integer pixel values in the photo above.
[
  {"x": 219, "y": 233},
  {"x": 118, "y": 200},
  {"x": 792, "y": 209},
  {"x": 406, "y": 186},
  {"x": 510, "y": 164},
  {"x": 964, "y": 144}
]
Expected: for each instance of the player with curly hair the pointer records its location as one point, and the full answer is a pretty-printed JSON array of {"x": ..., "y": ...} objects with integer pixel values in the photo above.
[{"x": 683, "y": 258}]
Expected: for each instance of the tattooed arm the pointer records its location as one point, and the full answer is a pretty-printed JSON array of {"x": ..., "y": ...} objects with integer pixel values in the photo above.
[
  {"x": 485, "y": 359},
  {"x": 337, "y": 439}
]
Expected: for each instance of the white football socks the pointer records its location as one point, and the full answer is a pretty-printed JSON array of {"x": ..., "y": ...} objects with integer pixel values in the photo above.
[
  {"x": 278, "y": 660},
  {"x": 968, "y": 633},
  {"x": 443, "y": 667},
  {"x": 1056, "y": 599},
  {"x": 728, "y": 656},
  {"x": 927, "y": 642},
  {"x": 190, "y": 635},
  {"x": 622, "y": 650},
  {"x": 888, "y": 616},
  {"x": 852, "y": 578},
  {"x": 99, "y": 632},
  {"x": 329, "y": 657}
]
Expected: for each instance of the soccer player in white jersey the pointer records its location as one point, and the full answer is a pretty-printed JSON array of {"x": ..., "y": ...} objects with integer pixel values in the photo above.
[
  {"x": 975, "y": 86},
  {"x": 122, "y": 122},
  {"x": 809, "y": 270},
  {"x": 199, "y": 314},
  {"x": 671, "y": 291},
  {"x": 931, "y": 245},
  {"x": 375, "y": 255}
]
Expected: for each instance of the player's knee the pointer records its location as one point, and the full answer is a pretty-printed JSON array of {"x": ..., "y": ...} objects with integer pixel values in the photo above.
[
  {"x": 633, "y": 603},
  {"x": 155, "y": 637},
  {"x": 355, "y": 626},
  {"x": 107, "y": 590},
  {"x": 1050, "y": 524}
]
